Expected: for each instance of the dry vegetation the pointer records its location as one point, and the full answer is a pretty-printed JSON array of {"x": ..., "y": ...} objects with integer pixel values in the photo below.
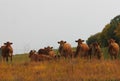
[{"x": 60, "y": 70}]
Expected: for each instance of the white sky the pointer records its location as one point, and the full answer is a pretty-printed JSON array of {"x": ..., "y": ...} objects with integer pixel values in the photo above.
[{"x": 34, "y": 24}]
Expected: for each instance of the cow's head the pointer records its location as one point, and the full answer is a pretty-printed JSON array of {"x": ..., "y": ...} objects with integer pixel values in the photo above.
[
  {"x": 110, "y": 41},
  {"x": 32, "y": 52},
  {"x": 79, "y": 41},
  {"x": 61, "y": 42},
  {"x": 49, "y": 48},
  {"x": 96, "y": 45},
  {"x": 8, "y": 43}
]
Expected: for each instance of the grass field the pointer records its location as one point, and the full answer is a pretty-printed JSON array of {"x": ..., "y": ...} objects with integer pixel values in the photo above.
[{"x": 21, "y": 69}]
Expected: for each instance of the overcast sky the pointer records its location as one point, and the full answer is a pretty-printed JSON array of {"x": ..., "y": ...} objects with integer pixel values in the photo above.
[{"x": 34, "y": 24}]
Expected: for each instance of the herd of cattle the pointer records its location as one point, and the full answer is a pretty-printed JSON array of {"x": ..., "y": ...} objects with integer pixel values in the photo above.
[
  {"x": 82, "y": 50},
  {"x": 65, "y": 50}
]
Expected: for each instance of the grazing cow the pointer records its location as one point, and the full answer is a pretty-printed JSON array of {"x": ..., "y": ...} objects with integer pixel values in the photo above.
[
  {"x": 82, "y": 49},
  {"x": 38, "y": 57},
  {"x": 113, "y": 49},
  {"x": 95, "y": 50},
  {"x": 7, "y": 51},
  {"x": 65, "y": 49}
]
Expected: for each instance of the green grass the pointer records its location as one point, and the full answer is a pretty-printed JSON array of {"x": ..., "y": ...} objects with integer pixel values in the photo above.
[{"x": 21, "y": 58}]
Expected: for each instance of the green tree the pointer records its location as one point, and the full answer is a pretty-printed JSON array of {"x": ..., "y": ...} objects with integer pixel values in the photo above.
[
  {"x": 94, "y": 38},
  {"x": 105, "y": 35},
  {"x": 111, "y": 30},
  {"x": 115, "y": 28}
]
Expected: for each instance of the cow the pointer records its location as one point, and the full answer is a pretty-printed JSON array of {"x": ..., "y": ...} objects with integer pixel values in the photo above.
[
  {"x": 7, "y": 51},
  {"x": 113, "y": 48},
  {"x": 65, "y": 49},
  {"x": 50, "y": 51},
  {"x": 38, "y": 57},
  {"x": 43, "y": 51},
  {"x": 82, "y": 49},
  {"x": 47, "y": 51},
  {"x": 95, "y": 50}
]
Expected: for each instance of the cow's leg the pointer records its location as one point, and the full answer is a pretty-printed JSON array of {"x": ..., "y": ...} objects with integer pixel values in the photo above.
[
  {"x": 65, "y": 56},
  {"x": 3, "y": 59},
  {"x": 111, "y": 57},
  {"x": 90, "y": 55},
  {"x": 7, "y": 58},
  {"x": 99, "y": 56},
  {"x": 115, "y": 56},
  {"x": 11, "y": 58}
]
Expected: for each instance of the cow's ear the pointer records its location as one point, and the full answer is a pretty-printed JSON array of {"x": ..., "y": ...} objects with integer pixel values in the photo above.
[
  {"x": 11, "y": 43},
  {"x": 76, "y": 40},
  {"x": 51, "y": 47},
  {"x": 5, "y": 43},
  {"x": 45, "y": 47},
  {"x": 114, "y": 40},
  {"x": 98, "y": 43},
  {"x": 58, "y": 42},
  {"x": 64, "y": 41},
  {"x": 83, "y": 40}
]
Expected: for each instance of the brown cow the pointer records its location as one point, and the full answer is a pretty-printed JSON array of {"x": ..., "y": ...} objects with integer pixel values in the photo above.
[
  {"x": 82, "y": 49},
  {"x": 95, "y": 50},
  {"x": 38, "y": 57},
  {"x": 42, "y": 51},
  {"x": 7, "y": 51},
  {"x": 50, "y": 51},
  {"x": 113, "y": 49},
  {"x": 65, "y": 49},
  {"x": 47, "y": 51}
]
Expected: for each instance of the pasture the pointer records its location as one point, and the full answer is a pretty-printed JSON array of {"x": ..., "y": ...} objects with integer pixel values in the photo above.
[{"x": 76, "y": 69}]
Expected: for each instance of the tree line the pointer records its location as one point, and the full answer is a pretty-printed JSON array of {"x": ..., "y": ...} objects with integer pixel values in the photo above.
[{"x": 111, "y": 30}]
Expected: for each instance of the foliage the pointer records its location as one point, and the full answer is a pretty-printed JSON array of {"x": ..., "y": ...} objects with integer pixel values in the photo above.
[
  {"x": 93, "y": 38},
  {"x": 111, "y": 30}
]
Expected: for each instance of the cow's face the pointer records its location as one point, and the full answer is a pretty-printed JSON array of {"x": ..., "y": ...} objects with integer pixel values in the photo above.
[
  {"x": 49, "y": 48},
  {"x": 79, "y": 41},
  {"x": 62, "y": 42},
  {"x": 32, "y": 52},
  {"x": 110, "y": 41},
  {"x": 8, "y": 43},
  {"x": 96, "y": 45}
]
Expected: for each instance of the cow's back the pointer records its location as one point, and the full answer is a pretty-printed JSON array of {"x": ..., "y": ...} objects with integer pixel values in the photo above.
[
  {"x": 67, "y": 47},
  {"x": 84, "y": 47}
]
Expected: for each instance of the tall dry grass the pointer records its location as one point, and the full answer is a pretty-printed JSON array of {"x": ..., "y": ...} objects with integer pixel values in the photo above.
[{"x": 61, "y": 70}]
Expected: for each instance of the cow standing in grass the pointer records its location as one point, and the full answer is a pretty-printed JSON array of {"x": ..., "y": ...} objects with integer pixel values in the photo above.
[
  {"x": 38, "y": 57},
  {"x": 65, "y": 49},
  {"x": 113, "y": 49},
  {"x": 95, "y": 50},
  {"x": 82, "y": 49},
  {"x": 7, "y": 51}
]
